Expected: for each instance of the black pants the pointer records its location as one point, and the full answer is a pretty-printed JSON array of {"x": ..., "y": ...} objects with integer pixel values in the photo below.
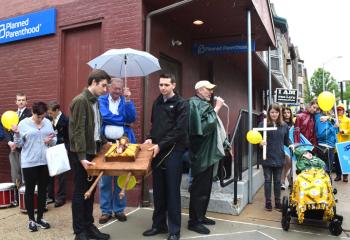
[
  {"x": 38, "y": 175},
  {"x": 337, "y": 166},
  {"x": 81, "y": 209},
  {"x": 200, "y": 195},
  {"x": 61, "y": 193},
  {"x": 166, "y": 192}
]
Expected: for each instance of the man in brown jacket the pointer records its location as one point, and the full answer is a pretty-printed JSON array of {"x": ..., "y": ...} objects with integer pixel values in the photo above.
[{"x": 85, "y": 140}]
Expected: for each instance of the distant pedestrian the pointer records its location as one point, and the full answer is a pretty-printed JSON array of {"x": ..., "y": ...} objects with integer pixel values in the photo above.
[
  {"x": 305, "y": 124},
  {"x": 342, "y": 136},
  {"x": 287, "y": 116}
]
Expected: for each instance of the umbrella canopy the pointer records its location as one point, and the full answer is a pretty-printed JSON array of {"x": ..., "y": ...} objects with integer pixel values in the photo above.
[{"x": 126, "y": 62}]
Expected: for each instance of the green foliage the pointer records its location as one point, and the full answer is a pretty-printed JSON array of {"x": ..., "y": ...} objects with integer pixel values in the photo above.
[{"x": 315, "y": 86}]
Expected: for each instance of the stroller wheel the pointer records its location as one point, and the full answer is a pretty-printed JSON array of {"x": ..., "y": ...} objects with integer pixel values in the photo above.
[
  {"x": 285, "y": 214},
  {"x": 335, "y": 227}
]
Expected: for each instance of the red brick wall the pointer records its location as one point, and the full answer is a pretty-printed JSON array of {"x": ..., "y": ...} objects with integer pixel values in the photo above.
[{"x": 33, "y": 66}]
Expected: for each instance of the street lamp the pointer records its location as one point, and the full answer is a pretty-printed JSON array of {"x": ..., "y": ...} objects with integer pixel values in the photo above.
[{"x": 323, "y": 84}]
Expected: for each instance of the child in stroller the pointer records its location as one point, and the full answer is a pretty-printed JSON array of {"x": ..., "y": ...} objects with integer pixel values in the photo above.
[{"x": 312, "y": 195}]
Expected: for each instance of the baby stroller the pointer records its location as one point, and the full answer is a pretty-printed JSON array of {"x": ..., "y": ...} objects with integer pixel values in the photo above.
[{"x": 312, "y": 194}]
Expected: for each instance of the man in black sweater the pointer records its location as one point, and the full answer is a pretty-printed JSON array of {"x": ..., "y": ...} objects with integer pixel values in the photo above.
[{"x": 168, "y": 133}]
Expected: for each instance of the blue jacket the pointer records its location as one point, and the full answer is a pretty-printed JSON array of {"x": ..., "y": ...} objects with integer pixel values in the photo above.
[
  {"x": 325, "y": 131},
  {"x": 127, "y": 115}
]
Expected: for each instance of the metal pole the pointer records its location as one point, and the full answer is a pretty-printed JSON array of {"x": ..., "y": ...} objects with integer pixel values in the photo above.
[
  {"x": 324, "y": 87},
  {"x": 250, "y": 107},
  {"x": 269, "y": 72},
  {"x": 341, "y": 92}
]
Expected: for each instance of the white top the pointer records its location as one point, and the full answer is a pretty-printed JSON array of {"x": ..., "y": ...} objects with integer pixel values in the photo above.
[{"x": 111, "y": 131}]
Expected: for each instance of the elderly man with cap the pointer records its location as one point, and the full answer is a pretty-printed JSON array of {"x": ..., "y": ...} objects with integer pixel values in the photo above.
[
  {"x": 207, "y": 143},
  {"x": 342, "y": 136}
]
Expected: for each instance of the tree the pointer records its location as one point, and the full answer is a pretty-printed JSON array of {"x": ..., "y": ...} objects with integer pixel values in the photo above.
[
  {"x": 307, "y": 92},
  {"x": 316, "y": 82}
]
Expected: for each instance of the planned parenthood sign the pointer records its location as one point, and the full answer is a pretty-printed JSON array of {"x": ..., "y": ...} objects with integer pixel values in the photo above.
[
  {"x": 28, "y": 26},
  {"x": 221, "y": 48}
]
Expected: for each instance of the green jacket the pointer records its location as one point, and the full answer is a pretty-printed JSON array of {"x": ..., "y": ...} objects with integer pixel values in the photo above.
[
  {"x": 203, "y": 135},
  {"x": 82, "y": 125}
]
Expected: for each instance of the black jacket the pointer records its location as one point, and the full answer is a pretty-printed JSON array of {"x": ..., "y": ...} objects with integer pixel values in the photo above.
[
  {"x": 169, "y": 123},
  {"x": 61, "y": 130},
  {"x": 9, "y": 134}
]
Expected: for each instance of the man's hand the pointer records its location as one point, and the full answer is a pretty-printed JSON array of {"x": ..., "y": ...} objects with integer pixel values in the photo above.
[
  {"x": 127, "y": 93},
  {"x": 155, "y": 150},
  {"x": 86, "y": 164},
  {"x": 262, "y": 143},
  {"x": 218, "y": 104},
  {"x": 12, "y": 146},
  {"x": 148, "y": 141},
  {"x": 324, "y": 118}
]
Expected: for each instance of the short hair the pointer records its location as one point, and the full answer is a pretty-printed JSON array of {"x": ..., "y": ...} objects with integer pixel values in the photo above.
[
  {"x": 20, "y": 94},
  {"x": 168, "y": 75},
  {"x": 313, "y": 102},
  {"x": 98, "y": 75},
  {"x": 53, "y": 105},
  {"x": 119, "y": 80},
  {"x": 39, "y": 108}
]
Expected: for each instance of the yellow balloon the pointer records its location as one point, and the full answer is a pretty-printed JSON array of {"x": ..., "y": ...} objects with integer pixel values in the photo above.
[
  {"x": 254, "y": 137},
  {"x": 8, "y": 119},
  {"x": 326, "y": 100},
  {"x": 121, "y": 182}
]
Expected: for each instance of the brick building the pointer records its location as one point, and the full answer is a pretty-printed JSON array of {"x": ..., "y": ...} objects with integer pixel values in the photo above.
[{"x": 54, "y": 66}]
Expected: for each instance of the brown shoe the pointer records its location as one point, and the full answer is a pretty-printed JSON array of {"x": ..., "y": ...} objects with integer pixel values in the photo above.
[
  {"x": 121, "y": 217},
  {"x": 345, "y": 178},
  {"x": 104, "y": 218}
]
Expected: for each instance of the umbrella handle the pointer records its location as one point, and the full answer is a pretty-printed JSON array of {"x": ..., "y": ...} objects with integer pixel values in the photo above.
[{"x": 125, "y": 62}]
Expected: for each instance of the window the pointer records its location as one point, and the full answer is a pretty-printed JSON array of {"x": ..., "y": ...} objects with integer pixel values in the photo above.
[
  {"x": 275, "y": 63},
  {"x": 300, "y": 70}
]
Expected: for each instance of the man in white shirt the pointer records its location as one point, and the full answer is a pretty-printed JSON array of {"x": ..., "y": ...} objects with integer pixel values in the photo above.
[
  {"x": 15, "y": 153},
  {"x": 118, "y": 113}
]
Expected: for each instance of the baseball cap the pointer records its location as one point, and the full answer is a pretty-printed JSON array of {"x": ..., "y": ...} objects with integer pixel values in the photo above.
[{"x": 204, "y": 83}]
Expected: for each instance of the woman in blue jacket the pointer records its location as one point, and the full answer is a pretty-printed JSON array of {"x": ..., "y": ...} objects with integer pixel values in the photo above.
[{"x": 326, "y": 134}]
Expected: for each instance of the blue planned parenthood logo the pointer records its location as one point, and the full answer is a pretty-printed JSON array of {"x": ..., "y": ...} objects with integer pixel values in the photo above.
[
  {"x": 221, "y": 48},
  {"x": 28, "y": 26}
]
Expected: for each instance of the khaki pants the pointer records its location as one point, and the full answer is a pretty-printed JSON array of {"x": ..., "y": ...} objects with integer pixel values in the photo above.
[{"x": 16, "y": 171}]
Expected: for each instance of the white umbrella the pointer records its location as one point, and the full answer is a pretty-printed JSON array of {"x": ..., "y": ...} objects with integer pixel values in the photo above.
[{"x": 126, "y": 62}]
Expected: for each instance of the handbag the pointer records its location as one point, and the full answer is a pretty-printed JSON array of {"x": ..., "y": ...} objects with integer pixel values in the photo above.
[{"x": 57, "y": 160}]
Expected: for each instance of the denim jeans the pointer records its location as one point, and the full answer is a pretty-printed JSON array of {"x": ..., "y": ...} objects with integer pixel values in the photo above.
[
  {"x": 109, "y": 198},
  {"x": 275, "y": 174}
]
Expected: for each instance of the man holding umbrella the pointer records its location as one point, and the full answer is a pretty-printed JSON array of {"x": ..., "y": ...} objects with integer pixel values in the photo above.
[{"x": 118, "y": 113}]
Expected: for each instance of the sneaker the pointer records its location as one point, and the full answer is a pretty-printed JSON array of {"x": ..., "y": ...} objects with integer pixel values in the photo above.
[
  {"x": 283, "y": 187},
  {"x": 42, "y": 223},
  {"x": 268, "y": 206},
  {"x": 32, "y": 226},
  {"x": 50, "y": 200}
]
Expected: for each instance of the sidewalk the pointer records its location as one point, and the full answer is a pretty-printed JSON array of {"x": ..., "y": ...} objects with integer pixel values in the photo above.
[{"x": 14, "y": 223}]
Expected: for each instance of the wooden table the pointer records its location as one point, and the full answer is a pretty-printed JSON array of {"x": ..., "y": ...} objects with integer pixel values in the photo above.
[{"x": 140, "y": 167}]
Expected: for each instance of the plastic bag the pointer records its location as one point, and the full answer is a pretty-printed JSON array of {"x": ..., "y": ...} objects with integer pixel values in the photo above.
[{"x": 57, "y": 160}]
